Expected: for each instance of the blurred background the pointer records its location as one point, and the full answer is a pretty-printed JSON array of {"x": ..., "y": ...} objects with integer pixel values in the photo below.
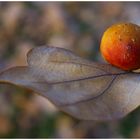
[{"x": 77, "y": 26}]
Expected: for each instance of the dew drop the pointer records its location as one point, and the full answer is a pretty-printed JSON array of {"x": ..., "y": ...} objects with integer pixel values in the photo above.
[
  {"x": 133, "y": 40},
  {"x": 120, "y": 38}
]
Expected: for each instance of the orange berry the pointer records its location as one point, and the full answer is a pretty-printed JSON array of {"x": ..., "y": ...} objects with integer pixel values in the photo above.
[{"x": 120, "y": 46}]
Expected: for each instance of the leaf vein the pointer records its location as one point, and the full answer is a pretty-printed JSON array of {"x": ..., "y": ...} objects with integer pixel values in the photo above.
[{"x": 92, "y": 98}]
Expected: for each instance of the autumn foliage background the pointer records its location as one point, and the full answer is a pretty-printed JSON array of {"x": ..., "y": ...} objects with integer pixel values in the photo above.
[{"x": 77, "y": 26}]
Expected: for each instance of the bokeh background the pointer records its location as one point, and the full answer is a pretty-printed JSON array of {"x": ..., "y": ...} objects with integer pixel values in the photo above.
[{"x": 77, "y": 26}]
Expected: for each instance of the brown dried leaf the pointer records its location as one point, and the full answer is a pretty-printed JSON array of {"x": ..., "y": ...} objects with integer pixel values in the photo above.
[{"x": 84, "y": 89}]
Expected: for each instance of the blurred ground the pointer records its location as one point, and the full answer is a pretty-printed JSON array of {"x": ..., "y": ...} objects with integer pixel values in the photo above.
[{"x": 77, "y": 26}]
